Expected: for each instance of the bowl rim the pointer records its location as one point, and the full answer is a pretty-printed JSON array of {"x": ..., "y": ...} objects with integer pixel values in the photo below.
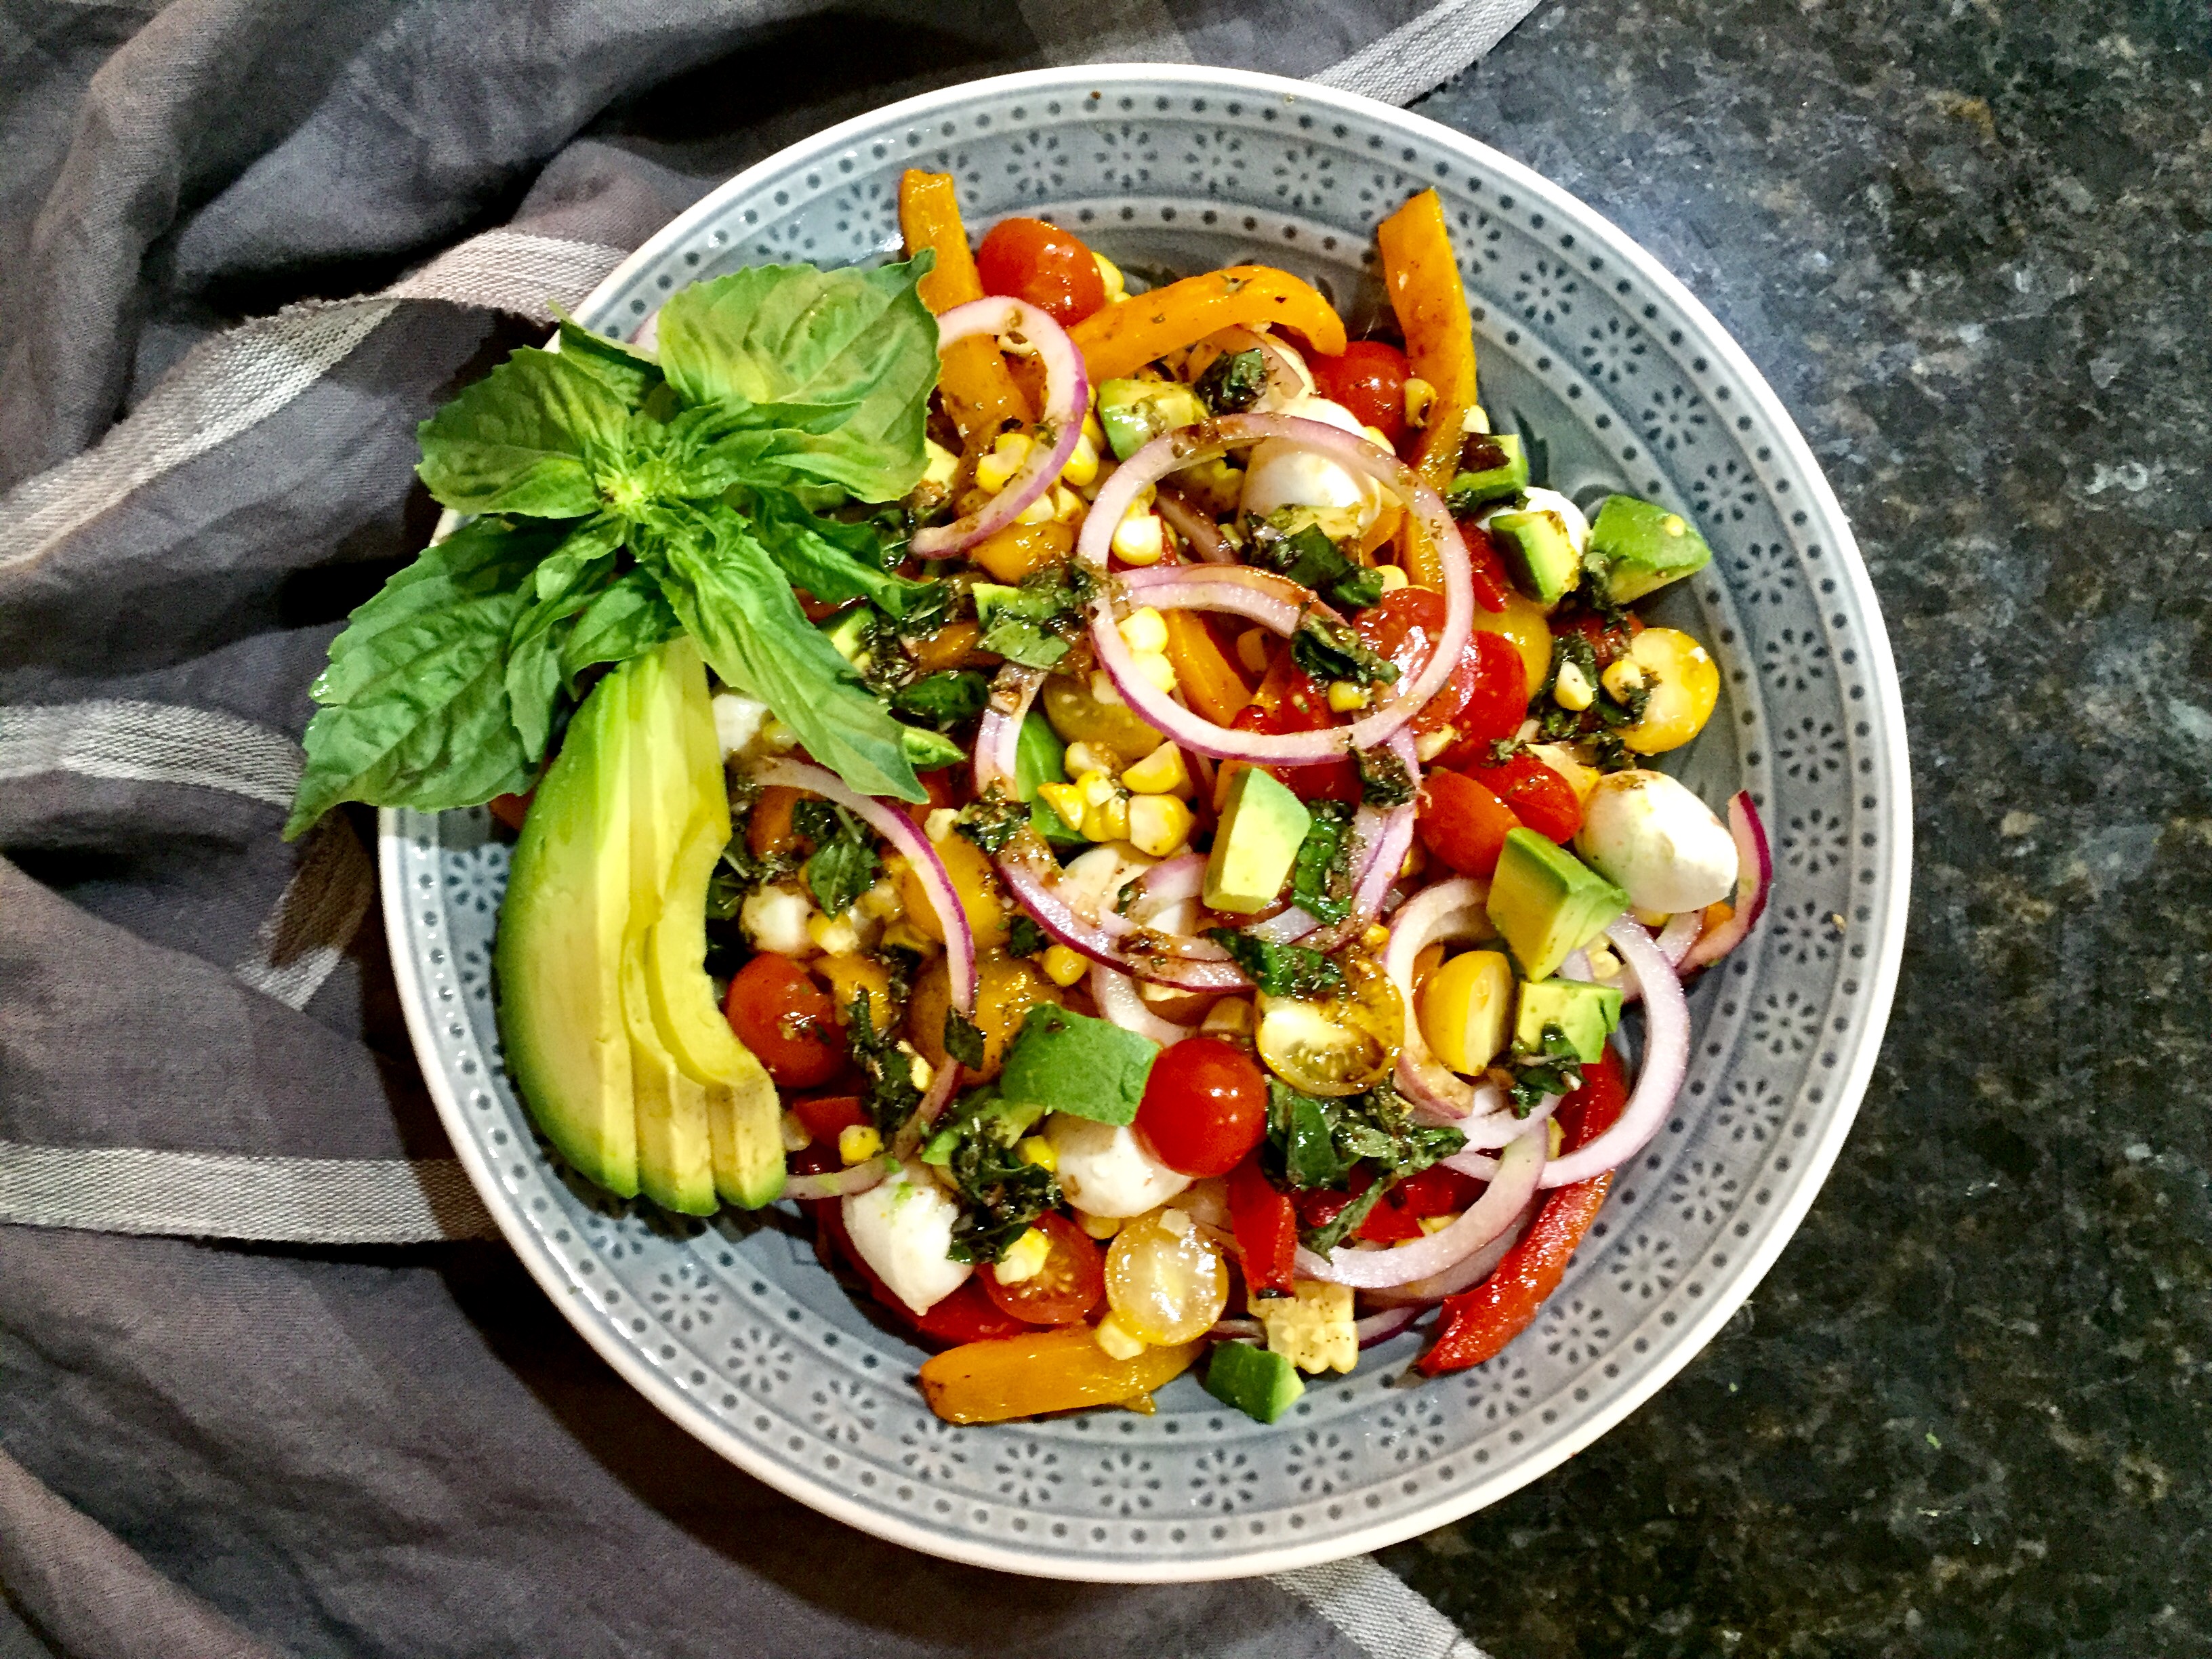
[{"x": 1815, "y": 1162}]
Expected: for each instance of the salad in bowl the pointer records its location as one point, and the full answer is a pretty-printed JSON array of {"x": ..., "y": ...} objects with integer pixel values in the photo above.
[{"x": 1133, "y": 806}]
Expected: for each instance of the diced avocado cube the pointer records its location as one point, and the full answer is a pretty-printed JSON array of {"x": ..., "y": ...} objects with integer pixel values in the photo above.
[
  {"x": 1492, "y": 466},
  {"x": 1134, "y": 412},
  {"x": 1586, "y": 1014},
  {"x": 1538, "y": 554},
  {"x": 848, "y": 631},
  {"x": 1257, "y": 1382},
  {"x": 1638, "y": 547},
  {"x": 1261, "y": 828},
  {"x": 1040, "y": 759},
  {"x": 1545, "y": 903}
]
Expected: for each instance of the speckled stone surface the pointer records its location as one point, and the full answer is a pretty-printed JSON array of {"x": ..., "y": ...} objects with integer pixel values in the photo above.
[{"x": 1969, "y": 242}]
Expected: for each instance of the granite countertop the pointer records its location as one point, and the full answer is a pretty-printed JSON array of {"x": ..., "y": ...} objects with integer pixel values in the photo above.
[{"x": 1969, "y": 1413}]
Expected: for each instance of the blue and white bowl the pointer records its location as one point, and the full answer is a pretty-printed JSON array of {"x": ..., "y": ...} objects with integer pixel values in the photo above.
[{"x": 734, "y": 1330}]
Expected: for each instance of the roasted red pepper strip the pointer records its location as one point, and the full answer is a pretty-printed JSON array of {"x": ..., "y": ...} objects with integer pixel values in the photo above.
[
  {"x": 1267, "y": 1227},
  {"x": 1479, "y": 1323}
]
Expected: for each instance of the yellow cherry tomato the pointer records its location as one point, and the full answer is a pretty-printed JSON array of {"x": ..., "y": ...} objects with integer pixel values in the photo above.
[
  {"x": 1466, "y": 1008},
  {"x": 972, "y": 880},
  {"x": 1165, "y": 1280},
  {"x": 1685, "y": 683},
  {"x": 1524, "y": 622}
]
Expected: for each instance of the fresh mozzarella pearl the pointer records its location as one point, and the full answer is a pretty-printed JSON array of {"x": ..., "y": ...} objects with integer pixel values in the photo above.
[
  {"x": 737, "y": 721},
  {"x": 1548, "y": 501},
  {"x": 903, "y": 1229},
  {"x": 1280, "y": 474},
  {"x": 1659, "y": 842},
  {"x": 776, "y": 917},
  {"x": 1271, "y": 402},
  {"x": 1104, "y": 1171}
]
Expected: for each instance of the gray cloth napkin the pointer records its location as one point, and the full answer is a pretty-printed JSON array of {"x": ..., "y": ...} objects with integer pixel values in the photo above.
[{"x": 266, "y": 1386}]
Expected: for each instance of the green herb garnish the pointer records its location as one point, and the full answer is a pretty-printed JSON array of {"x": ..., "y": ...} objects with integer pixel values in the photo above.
[
  {"x": 1280, "y": 970},
  {"x": 1321, "y": 878},
  {"x": 1330, "y": 651},
  {"x": 1233, "y": 382},
  {"x": 844, "y": 864}
]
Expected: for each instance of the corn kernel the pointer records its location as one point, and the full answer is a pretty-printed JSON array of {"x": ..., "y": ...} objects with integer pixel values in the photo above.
[
  {"x": 1393, "y": 577},
  {"x": 1025, "y": 1258},
  {"x": 1036, "y": 1150},
  {"x": 1092, "y": 430},
  {"x": 1420, "y": 395},
  {"x": 1103, "y": 691},
  {"x": 905, "y": 936},
  {"x": 859, "y": 1142},
  {"x": 1376, "y": 937},
  {"x": 1083, "y": 757},
  {"x": 1571, "y": 689},
  {"x": 1230, "y": 1017},
  {"x": 1158, "y": 824},
  {"x": 1162, "y": 772},
  {"x": 1558, "y": 1136},
  {"x": 1082, "y": 466},
  {"x": 919, "y": 1070},
  {"x": 1068, "y": 506},
  {"x": 1430, "y": 745},
  {"x": 795, "y": 1137},
  {"x": 1417, "y": 860},
  {"x": 881, "y": 902},
  {"x": 1067, "y": 801},
  {"x": 1039, "y": 511},
  {"x": 1155, "y": 667},
  {"x": 1116, "y": 1340},
  {"x": 1099, "y": 1227},
  {"x": 1140, "y": 539},
  {"x": 1652, "y": 919},
  {"x": 1624, "y": 680},
  {"x": 940, "y": 466},
  {"x": 1344, "y": 696},
  {"x": 1005, "y": 459},
  {"x": 1433, "y": 1225},
  {"x": 1145, "y": 630},
  {"x": 1253, "y": 649},
  {"x": 1110, "y": 274},
  {"x": 939, "y": 822},
  {"x": 1108, "y": 820},
  {"x": 1097, "y": 787},
  {"x": 1064, "y": 965},
  {"x": 1477, "y": 419},
  {"x": 834, "y": 936}
]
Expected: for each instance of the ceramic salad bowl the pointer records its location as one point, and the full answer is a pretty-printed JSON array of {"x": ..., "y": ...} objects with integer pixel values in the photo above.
[{"x": 734, "y": 1329}]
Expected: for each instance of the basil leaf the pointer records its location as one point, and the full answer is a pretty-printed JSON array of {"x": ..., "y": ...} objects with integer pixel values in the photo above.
[
  {"x": 1280, "y": 970},
  {"x": 1330, "y": 651},
  {"x": 564, "y": 584},
  {"x": 531, "y": 437},
  {"x": 890, "y": 1095},
  {"x": 832, "y": 560},
  {"x": 1299, "y": 1129},
  {"x": 1232, "y": 383},
  {"x": 414, "y": 701},
  {"x": 944, "y": 699},
  {"x": 627, "y": 618},
  {"x": 843, "y": 864},
  {"x": 1024, "y": 936},
  {"x": 1321, "y": 878},
  {"x": 963, "y": 1039},
  {"x": 631, "y": 375},
  {"x": 734, "y": 602}
]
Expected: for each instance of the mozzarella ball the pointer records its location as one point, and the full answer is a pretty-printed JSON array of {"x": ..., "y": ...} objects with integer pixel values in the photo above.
[
  {"x": 737, "y": 721},
  {"x": 778, "y": 917},
  {"x": 1280, "y": 473},
  {"x": 1652, "y": 837},
  {"x": 1274, "y": 402},
  {"x": 1105, "y": 1170},
  {"x": 1570, "y": 517},
  {"x": 903, "y": 1229}
]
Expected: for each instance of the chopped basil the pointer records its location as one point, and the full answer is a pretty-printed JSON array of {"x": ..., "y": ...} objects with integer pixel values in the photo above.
[
  {"x": 1384, "y": 780},
  {"x": 844, "y": 864},
  {"x": 1233, "y": 382},
  {"x": 1320, "y": 879},
  {"x": 1280, "y": 970},
  {"x": 1330, "y": 651}
]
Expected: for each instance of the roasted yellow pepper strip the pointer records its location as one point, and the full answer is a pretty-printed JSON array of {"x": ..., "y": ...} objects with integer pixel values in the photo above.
[
  {"x": 1209, "y": 683},
  {"x": 1422, "y": 279},
  {"x": 980, "y": 394},
  {"x": 1127, "y": 335},
  {"x": 1053, "y": 1370}
]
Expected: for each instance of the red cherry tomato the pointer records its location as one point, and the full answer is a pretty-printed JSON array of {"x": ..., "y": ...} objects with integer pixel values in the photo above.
[
  {"x": 966, "y": 1315},
  {"x": 1029, "y": 259},
  {"x": 1397, "y": 1218},
  {"x": 825, "y": 1117},
  {"x": 1487, "y": 568},
  {"x": 1462, "y": 822},
  {"x": 1071, "y": 1282},
  {"x": 1289, "y": 701},
  {"x": 786, "y": 1019},
  {"x": 1370, "y": 380},
  {"x": 1403, "y": 625},
  {"x": 510, "y": 810},
  {"x": 1539, "y": 797},
  {"x": 1205, "y": 1107},
  {"x": 1496, "y": 704}
]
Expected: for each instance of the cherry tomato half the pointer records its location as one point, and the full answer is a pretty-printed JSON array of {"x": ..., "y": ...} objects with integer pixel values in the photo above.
[
  {"x": 1370, "y": 380},
  {"x": 827, "y": 1116},
  {"x": 1071, "y": 1282},
  {"x": 1539, "y": 797},
  {"x": 1487, "y": 567},
  {"x": 1205, "y": 1107},
  {"x": 1462, "y": 822},
  {"x": 1404, "y": 625},
  {"x": 786, "y": 1019},
  {"x": 1497, "y": 701},
  {"x": 1289, "y": 701},
  {"x": 966, "y": 1315},
  {"x": 1029, "y": 259}
]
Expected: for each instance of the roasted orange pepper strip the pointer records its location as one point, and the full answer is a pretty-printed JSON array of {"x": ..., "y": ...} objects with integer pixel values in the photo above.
[
  {"x": 1129, "y": 333},
  {"x": 979, "y": 393},
  {"x": 1208, "y": 680},
  {"x": 1422, "y": 278},
  {"x": 1053, "y": 1370}
]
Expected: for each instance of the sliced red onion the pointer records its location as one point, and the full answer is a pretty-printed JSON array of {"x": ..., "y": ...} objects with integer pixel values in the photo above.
[
  {"x": 1188, "y": 445},
  {"x": 1167, "y": 884},
  {"x": 1285, "y": 926},
  {"x": 1425, "y": 1292},
  {"x": 1119, "y": 1000},
  {"x": 1382, "y": 1327},
  {"x": 893, "y": 822},
  {"x": 1192, "y": 524},
  {"x": 1519, "y": 1170},
  {"x": 1754, "y": 879},
  {"x": 1679, "y": 933},
  {"x": 1237, "y": 1330},
  {"x": 997, "y": 738},
  {"x": 1666, "y": 1060},
  {"x": 1034, "y": 879},
  {"x": 840, "y": 1184},
  {"x": 1053, "y": 439}
]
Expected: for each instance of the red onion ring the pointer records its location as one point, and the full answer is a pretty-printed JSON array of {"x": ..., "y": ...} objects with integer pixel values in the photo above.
[
  {"x": 1754, "y": 880},
  {"x": 894, "y": 823},
  {"x": 1188, "y": 445},
  {"x": 840, "y": 1184},
  {"x": 1679, "y": 933},
  {"x": 1477, "y": 1267},
  {"x": 1190, "y": 522},
  {"x": 1119, "y": 1000},
  {"x": 1028, "y": 870},
  {"x": 1519, "y": 1168},
  {"x": 1052, "y": 441},
  {"x": 1377, "y": 1328},
  {"x": 998, "y": 740},
  {"x": 1237, "y": 1330},
  {"x": 1666, "y": 1060}
]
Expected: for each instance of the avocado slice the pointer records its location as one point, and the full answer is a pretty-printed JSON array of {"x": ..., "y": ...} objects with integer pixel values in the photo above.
[
  {"x": 848, "y": 631},
  {"x": 1132, "y": 413},
  {"x": 1638, "y": 547},
  {"x": 675, "y": 1150},
  {"x": 1492, "y": 467},
  {"x": 1262, "y": 826},
  {"x": 1546, "y": 903},
  {"x": 1260, "y": 1384},
  {"x": 1538, "y": 554},
  {"x": 557, "y": 960},
  {"x": 1586, "y": 1014}
]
